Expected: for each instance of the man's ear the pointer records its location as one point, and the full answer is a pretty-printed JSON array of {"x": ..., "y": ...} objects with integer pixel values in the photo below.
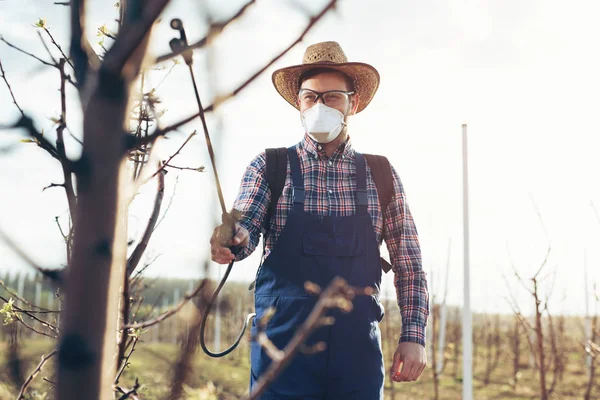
[{"x": 355, "y": 101}]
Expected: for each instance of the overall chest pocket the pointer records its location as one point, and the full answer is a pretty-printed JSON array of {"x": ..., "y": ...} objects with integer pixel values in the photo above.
[{"x": 346, "y": 244}]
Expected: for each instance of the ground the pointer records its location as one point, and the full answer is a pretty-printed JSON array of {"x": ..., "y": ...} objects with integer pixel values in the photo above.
[{"x": 227, "y": 378}]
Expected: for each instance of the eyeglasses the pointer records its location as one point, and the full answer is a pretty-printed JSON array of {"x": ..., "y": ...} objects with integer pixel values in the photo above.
[{"x": 331, "y": 98}]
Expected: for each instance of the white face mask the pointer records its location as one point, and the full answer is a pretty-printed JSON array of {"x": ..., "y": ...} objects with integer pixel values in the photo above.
[{"x": 322, "y": 123}]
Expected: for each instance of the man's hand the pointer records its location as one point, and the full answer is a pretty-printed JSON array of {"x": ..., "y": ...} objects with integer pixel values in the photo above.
[
  {"x": 219, "y": 248},
  {"x": 411, "y": 357}
]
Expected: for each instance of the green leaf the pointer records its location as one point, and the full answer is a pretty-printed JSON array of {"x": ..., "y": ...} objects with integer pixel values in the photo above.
[{"x": 41, "y": 23}]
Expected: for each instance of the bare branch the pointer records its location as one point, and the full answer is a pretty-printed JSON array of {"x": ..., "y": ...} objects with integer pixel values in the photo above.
[
  {"x": 47, "y": 48},
  {"x": 58, "y": 47},
  {"x": 125, "y": 362},
  {"x": 60, "y": 140},
  {"x": 214, "y": 28},
  {"x": 26, "y": 52},
  {"x": 34, "y": 317},
  {"x": 136, "y": 256},
  {"x": 10, "y": 89},
  {"x": 168, "y": 205},
  {"x": 52, "y": 185},
  {"x": 54, "y": 275},
  {"x": 170, "y": 312},
  {"x": 337, "y": 295},
  {"x": 131, "y": 392},
  {"x": 197, "y": 169},
  {"x": 80, "y": 47},
  {"x": 221, "y": 99},
  {"x": 174, "y": 155},
  {"x": 21, "y": 299},
  {"x": 131, "y": 36},
  {"x": 27, "y": 123},
  {"x": 36, "y": 371}
]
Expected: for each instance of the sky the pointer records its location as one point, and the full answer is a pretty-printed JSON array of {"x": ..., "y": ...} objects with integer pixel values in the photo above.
[{"x": 523, "y": 76}]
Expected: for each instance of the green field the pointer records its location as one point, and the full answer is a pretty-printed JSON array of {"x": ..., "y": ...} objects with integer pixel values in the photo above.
[{"x": 227, "y": 378}]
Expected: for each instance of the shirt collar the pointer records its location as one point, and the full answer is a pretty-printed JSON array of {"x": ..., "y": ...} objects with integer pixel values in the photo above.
[{"x": 318, "y": 150}]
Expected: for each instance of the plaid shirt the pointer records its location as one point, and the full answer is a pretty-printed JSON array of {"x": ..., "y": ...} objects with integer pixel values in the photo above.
[{"x": 330, "y": 188}]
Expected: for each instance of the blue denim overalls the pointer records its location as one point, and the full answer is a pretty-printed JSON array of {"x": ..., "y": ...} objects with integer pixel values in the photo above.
[{"x": 318, "y": 248}]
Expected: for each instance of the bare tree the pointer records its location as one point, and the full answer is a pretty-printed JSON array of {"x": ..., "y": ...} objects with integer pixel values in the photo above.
[{"x": 99, "y": 188}]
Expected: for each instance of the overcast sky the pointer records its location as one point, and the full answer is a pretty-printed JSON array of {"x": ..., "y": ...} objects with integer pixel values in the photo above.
[{"x": 522, "y": 74}]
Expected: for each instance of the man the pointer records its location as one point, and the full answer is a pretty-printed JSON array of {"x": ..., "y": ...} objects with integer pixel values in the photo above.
[{"x": 328, "y": 222}]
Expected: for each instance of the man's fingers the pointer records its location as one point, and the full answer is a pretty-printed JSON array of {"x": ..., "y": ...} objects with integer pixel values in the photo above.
[
  {"x": 420, "y": 371},
  {"x": 406, "y": 372},
  {"x": 240, "y": 237},
  {"x": 221, "y": 255},
  {"x": 395, "y": 370}
]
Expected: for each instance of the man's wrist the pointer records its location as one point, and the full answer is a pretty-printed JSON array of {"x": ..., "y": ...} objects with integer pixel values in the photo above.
[{"x": 413, "y": 333}]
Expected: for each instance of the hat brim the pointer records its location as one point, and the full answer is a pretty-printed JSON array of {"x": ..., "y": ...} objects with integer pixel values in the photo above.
[{"x": 365, "y": 77}]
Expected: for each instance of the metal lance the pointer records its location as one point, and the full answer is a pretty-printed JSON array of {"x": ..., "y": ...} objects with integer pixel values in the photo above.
[{"x": 181, "y": 45}]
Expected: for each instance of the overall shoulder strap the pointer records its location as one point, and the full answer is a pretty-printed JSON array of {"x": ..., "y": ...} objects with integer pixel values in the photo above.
[
  {"x": 276, "y": 173},
  {"x": 384, "y": 181},
  {"x": 382, "y": 175}
]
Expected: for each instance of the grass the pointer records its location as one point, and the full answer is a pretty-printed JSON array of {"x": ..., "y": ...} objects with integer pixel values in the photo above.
[{"x": 213, "y": 379}]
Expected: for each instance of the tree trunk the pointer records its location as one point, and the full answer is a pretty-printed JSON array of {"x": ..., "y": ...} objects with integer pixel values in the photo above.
[{"x": 88, "y": 345}]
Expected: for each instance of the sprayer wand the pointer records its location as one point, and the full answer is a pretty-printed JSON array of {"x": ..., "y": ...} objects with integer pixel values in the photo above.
[{"x": 177, "y": 44}]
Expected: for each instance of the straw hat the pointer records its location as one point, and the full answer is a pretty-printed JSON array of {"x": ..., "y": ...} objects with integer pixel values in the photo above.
[{"x": 327, "y": 55}]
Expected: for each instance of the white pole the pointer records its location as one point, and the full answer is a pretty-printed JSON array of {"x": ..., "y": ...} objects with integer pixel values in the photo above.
[
  {"x": 588, "y": 320},
  {"x": 443, "y": 319},
  {"x": 467, "y": 319}
]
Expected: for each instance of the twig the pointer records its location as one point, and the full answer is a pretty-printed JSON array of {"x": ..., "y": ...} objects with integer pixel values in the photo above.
[
  {"x": 47, "y": 48},
  {"x": 52, "y": 185},
  {"x": 175, "y": 63},
  {"x": 25, "y": 52},
  {"x": 170, "y": 312},
  {"x": 125, "y": 362},
  {"x": 161, "y": 132},
  {"x": 202, "y": 42},
  {"x": 129, "y": 393},
  {"x": 60, "y": 229},
  {"x": 10, "y": 89},
  {"x": 136, "y": 256},
  {"x": 131, "y": 36},
  {"x": 21, "y": 299},
  {"x": 60, "y": 140},
  {"x": 31, "y": 328},
  {"x": 32, "y": 316},
  {"x": 58, "y": 47},
  {"x": 27, "y": 123},
  {"x": 173, "y": 156},
  {"x": 182, "y": 367},
  {"x": 52, "y": 274},
  {"x": 337, "y": 295},
  {"x": 197, "y": 169},
  {"x": 139, "y": 273},
  {"x": 168, "y": 205},
  {"x": 36, "y": 371}
]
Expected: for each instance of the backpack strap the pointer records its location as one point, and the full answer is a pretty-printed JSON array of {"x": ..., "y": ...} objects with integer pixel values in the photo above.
[
  {"x": 276, "y": 172},
  {"x": 384, "y": 181}
]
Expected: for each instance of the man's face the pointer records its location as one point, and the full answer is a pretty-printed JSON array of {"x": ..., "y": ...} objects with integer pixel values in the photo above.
[{"x": 325, "y": 82}]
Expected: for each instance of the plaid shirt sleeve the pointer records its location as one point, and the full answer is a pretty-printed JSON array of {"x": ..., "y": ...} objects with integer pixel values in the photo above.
[
  {"x": 400, "y": 235},
  {"x": 252, "y": 202}
]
